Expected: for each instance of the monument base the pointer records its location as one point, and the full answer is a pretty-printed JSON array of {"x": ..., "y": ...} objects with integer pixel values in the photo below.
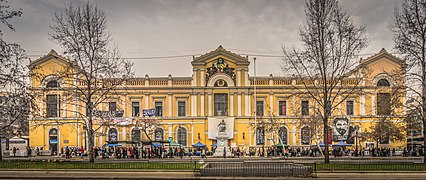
[{"x": 222, "y": 149}]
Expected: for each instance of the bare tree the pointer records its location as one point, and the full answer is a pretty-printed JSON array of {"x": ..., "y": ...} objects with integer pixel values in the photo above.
[
  {"x": 410, "y": 40},
  {"x": 330, "y": 41},
  {"x": 15, "y": 98},
  {"x": 389, "y": 128},
  {"x": 96, "y": 68}
]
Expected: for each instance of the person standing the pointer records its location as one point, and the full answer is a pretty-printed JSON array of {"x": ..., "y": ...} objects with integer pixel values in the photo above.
[
  {"x": 14, "y": 151},
  {"x": 28, "y": 151}
]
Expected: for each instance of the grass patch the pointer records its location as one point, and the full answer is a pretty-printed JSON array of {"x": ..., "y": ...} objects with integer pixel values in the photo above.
[
  {"x": 87, "y": 165},
  {"x": 371, "y": 167}
]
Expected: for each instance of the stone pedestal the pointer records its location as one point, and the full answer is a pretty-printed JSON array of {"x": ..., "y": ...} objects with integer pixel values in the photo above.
[{"x": 222, "y": 146}]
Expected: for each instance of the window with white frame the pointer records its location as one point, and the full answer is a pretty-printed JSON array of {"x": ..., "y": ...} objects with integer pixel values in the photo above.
[
  {"x": 135, "y": 109},
  {"x": 260, "y": 108},
  {"x": 282, "y": 108},
  {"x": 181, "y": 108}
]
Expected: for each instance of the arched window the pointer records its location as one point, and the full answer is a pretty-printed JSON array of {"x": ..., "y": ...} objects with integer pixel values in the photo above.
[
  {"x": 52, "y": 84},
  {"x": 305, "y": 136},
  {"x": 181, "y": 136},
  {"x": 282, "y": 133},
  {"x": 112, "y": 135},
  {"x": 260, "y": 136},
  {"x": 159, "y": 134},
  {"x": 383, "y": 82},
  {"x": 136, "y": 135},
  {"x": 53, "y": 141}
]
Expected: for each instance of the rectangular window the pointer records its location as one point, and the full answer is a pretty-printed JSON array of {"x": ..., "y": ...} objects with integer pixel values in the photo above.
[
  {"x": 112, "y": 108},
  {"x": 220, "y": 104},
  {"x": 349, "y": 108},
  {"x": 181, "y": 108},
  {"x": 159, "y": 108},
  {"x": 305, "y": 108},
  {"x": 52, "y": 105},
  {"x": 259, "y": 108},
  {"x": 383, "y": 104},
  {"x": 135, "y": 109},
  {"x": 282, "y": 107}
]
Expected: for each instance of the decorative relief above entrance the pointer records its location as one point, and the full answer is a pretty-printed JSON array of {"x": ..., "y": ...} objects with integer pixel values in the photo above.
[{"x": 220, "y": 67}]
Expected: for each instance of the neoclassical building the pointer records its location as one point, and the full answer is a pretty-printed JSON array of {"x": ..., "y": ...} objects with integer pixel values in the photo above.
[{"x": 189, "y": 109}]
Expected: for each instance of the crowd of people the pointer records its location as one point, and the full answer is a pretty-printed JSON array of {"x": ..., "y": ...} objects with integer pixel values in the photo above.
[{"x": 149, "y": 152}]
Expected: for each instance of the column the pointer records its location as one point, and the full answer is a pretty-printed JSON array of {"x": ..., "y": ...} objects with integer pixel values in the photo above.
[
  {"x": 239, "y": 103},
  {"x": 202, "y": 104},
  {"x": 194, "y": 77},
  {"x": 293, "y": 104},
  {"x": 271, "y": 103},
  {"x": 101, "y": 140},
  {"x": 373, "y": 104},
  {"x": 247, "y": 104},
  {"x": 170, "y": 130},
  {"x": 192, "y": 134},
  {"x": 231, "y": 103},
  {"x": 41, "y": 96},
  {"x": 124, "y": 134},
  {"x": 246, "y": 78},
  {"x": 64, "y": 105},
  {"x": 194, "y": 104},
  {"x": 238, "y": 77},
  {"x": 294, "y": 134},
  {"x": 209, "y": 102},
  {"x": 124, "y": 104},
  {"x": 362, "y": 104},
  {"x": 146, "y": 100},
  {"x": 170, "y": 106},
  {"x": 78, "y": 135},
  {"x": 202, "y": 77},
  {"x": 76, "y": 105}
]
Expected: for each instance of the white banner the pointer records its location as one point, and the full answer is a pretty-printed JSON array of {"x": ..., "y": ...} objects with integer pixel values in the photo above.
[{"x": 214, "y": 129}]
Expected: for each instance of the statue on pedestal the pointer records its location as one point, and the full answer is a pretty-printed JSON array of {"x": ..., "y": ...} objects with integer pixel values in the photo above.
[
  {"x": 222, "y": 126},
  {"x": 222, "y": 149}
]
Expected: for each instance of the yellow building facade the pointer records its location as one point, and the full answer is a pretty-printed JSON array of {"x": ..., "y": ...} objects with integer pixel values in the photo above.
[{"x": 189, "y": 109}]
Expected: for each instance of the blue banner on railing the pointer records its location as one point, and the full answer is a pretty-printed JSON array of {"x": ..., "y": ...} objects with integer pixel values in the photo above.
[{"x": 149, "y": 112}]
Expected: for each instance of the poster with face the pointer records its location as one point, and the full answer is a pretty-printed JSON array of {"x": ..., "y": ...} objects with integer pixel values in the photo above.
[
  {"x": 341, "y": 129},
  {"x": 113, "y": 135}
]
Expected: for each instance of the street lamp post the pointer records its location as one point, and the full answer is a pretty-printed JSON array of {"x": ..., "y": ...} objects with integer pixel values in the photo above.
[
  {"x": 170, "y": 146},
  {"x": 356, "y": 141}
]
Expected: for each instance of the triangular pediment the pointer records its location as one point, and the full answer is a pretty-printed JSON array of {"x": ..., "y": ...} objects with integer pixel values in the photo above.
[
  {"x": 51, "y": 55},
  {"x": 220, "y": 52},
  {"x": 383, "y": 54}
]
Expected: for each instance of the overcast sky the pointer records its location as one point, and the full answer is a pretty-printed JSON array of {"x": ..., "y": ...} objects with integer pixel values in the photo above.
[{"x": 157, "y": 28}]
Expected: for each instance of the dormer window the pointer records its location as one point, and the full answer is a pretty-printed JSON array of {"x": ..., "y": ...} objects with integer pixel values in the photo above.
[
  {"x": 52, "y": 84},
  {"x": 383, "y": 82}
]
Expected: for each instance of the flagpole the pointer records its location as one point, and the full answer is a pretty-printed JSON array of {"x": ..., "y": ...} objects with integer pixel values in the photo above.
[{"x": 255, "y": 105}]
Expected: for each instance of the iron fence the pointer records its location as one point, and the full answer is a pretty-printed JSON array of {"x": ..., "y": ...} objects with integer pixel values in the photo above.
[
  {"x": 258, "y": 169},
  {"x": 181, "y": 165},
  {"x": 367, "y": 167}
]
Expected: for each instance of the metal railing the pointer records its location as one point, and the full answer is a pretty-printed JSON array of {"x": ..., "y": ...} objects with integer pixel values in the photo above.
[
  {"x": 371, "y": 166},
  {"x": 180, "y": 165},
  {"x": 258, "y": 169}
]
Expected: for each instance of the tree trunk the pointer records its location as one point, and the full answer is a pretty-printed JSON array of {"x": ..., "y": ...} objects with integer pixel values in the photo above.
[
  {"x": 424, "y": 113},
  {"x": 1, "y": 151},
  {"x": 91, "y": 143},
  {"x": 326, "y": 153}
]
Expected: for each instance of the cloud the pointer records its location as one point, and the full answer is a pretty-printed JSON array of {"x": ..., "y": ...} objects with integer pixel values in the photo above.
[{"x": 166, "y": 27}]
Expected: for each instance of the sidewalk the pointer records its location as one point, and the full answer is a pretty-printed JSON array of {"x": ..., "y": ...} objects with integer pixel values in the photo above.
[{"x": 107, "y": 174}]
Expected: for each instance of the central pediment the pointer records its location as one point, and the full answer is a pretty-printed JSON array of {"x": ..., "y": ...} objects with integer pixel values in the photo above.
[{"x": 220, "y": 52}]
